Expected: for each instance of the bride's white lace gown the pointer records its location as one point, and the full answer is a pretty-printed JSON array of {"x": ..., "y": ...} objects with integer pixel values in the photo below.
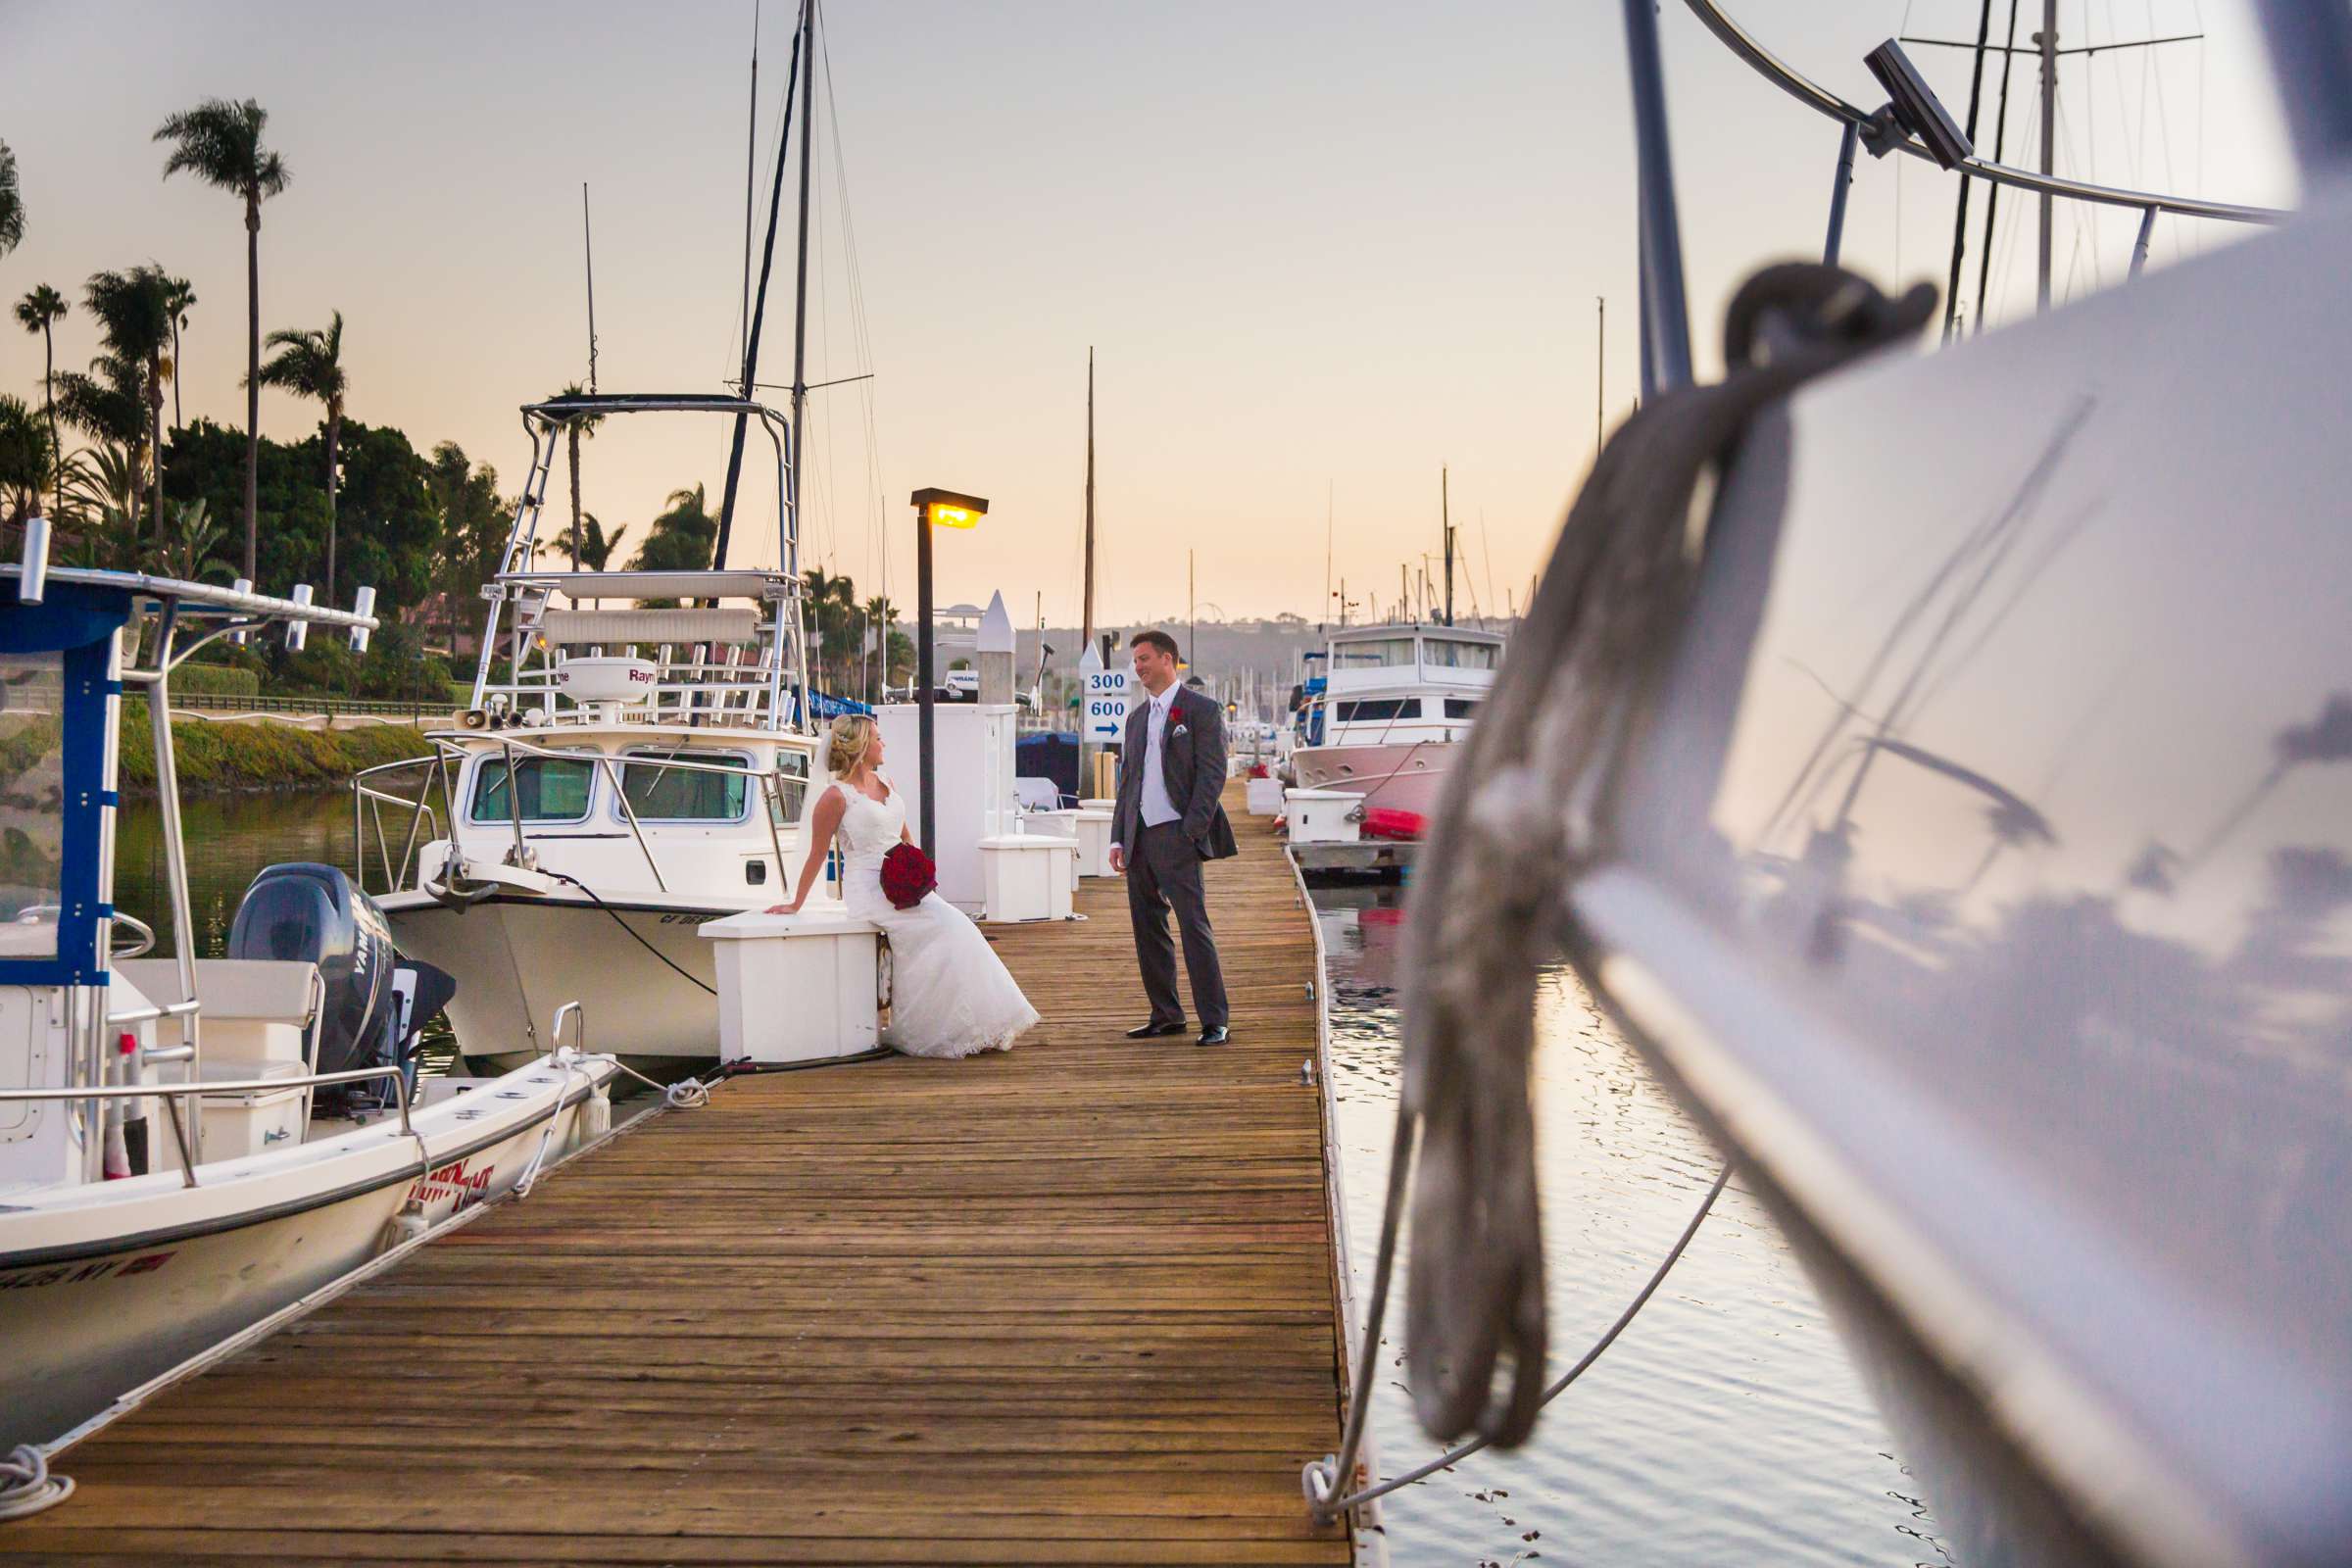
[{"x": 950, "y": 995}]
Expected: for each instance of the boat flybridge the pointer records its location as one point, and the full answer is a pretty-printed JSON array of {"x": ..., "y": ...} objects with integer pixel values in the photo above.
[
  {"x": 632, "y": 765},
  {"x": 1396, "y": 705},
  {"x": 188, "y": 1145}
]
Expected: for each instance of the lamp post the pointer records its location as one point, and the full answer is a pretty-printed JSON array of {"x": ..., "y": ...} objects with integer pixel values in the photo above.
[{"x": 944, "y": 509}]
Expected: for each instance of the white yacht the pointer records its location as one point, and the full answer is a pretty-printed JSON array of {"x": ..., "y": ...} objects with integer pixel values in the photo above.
[
  {"x": 632, "y": 765},
  {"x": 1397, "y": 703},
  {"x": 190, "y": 1144}
]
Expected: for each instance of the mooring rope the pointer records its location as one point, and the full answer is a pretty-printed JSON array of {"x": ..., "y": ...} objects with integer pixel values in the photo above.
[{"x": 1321, "y": 1478}]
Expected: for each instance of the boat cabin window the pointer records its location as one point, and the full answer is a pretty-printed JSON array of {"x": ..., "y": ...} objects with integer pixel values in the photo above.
[
  {"x": 1375, "y": 710},
  {"x": 1444, "y": 653},
  {"x": 548, "y": 790},
  {"x": 1460, "y": 707},
  {"x": 792, "y": 788},
  {"x": 32, "y": 802},
  {"x": 1378, "y": 652},
  {"x": 657, "y": 794}
]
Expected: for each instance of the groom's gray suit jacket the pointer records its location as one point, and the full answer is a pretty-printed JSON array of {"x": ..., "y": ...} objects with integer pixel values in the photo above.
[{"x": 1191, "y": 756}]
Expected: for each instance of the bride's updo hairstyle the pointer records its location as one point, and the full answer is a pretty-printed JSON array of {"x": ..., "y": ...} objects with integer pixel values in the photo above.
[{"x": 851, "y": 738}]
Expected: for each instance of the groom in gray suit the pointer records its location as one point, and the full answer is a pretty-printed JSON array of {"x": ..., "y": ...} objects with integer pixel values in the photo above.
[{"x": 1169, "y": 819}]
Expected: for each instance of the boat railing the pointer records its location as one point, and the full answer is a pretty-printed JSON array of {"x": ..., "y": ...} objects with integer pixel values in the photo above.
[
  {"x": 447, "y": 756},
  {"x": 172, "y": 1093},
  {"x": 2311, "y": 61}
]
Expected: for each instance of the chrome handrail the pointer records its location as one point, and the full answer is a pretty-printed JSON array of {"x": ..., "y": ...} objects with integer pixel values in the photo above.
[
  {"x": 145, "y": 932},
  {"x": 172, "y": 1093}
]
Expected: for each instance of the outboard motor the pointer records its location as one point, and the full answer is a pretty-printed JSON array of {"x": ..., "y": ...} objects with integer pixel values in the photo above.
[{"x": 376, "y": 1002}]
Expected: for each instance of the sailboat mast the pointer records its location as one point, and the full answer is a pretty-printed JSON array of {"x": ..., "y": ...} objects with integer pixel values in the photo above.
[
  {"x": 800, "y": 290},
  {"x": 1088, "y": 641},
  {"x": 751, "y": 348},
  {"x": 1446, "y": 523}
]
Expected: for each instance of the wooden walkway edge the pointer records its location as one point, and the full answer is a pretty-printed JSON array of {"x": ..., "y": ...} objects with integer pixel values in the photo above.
[{"x": 1068, "y": 1304}]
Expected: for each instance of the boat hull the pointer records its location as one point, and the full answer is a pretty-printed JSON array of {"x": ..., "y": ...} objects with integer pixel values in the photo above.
[
  {"x": 645, "y": 980},
  {"x": 1401, "y": 775},
  {"x": 97, "y": 1300}
]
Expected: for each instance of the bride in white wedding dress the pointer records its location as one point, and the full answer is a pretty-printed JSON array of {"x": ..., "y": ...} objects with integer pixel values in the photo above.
[{"x": 950, "y": 995}]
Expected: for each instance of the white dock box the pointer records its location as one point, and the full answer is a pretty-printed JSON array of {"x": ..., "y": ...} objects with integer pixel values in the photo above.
[
  {"x": 1029, "y": 876},
  {"x": 796, "y": 987},
  {"x": 1091, "y": 829},
  {"x": 1265, "y": 797},
  {"x": 1323, "y": 817}
]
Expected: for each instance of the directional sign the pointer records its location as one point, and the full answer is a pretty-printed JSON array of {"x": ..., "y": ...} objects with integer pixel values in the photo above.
[{"x": 1107, "y": 702}]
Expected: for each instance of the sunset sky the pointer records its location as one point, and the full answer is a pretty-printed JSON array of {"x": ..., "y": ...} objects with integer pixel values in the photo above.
[{"x": 1331, "y": 244}]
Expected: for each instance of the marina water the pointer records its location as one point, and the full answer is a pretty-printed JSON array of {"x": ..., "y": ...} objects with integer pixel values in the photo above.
[{"x": 1725, "y": 1426}]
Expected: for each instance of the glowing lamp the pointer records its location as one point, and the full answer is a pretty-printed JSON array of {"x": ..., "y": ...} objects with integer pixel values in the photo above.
[{"x": 945, "y": 509}]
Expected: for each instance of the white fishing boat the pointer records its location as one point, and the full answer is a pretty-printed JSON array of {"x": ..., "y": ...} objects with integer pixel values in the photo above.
[
  {"x": 1397, "y": 703},
  {"x": 632, "y": 765},
  {"x": 188, "y": 1145}
]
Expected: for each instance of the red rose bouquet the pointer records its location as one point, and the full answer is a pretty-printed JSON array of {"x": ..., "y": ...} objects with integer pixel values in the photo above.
[{"x": 908, "y": 874}]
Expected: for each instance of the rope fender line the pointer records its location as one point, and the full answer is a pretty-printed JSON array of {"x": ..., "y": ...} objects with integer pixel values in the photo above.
[{"x": 1320, "y": 1478}]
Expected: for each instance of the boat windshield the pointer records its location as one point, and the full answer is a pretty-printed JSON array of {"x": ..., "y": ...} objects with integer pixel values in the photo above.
[
  {"x": 548, "y": 790},
  {"x": 1377, "y": 653},
  {"x": 33, "y": 795},
  {"x": 659, "y": 794},
  {"x": 1445, "y": 653}
]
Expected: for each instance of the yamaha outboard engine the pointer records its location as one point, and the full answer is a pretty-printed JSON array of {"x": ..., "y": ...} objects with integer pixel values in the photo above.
[{"x": 376, "y": 1002}]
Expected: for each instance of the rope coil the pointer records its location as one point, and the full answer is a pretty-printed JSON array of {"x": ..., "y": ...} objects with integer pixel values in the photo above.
[{"x": 25, "y": 1485}]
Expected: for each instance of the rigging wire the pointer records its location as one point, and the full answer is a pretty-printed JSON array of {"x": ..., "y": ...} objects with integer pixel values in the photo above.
[{"x": 861, "y": 348}]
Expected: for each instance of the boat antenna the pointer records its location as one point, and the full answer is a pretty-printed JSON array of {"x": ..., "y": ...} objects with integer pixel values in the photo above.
[
  {"x": 751, "y": 344},
  {"x": 588, "y": 252}
]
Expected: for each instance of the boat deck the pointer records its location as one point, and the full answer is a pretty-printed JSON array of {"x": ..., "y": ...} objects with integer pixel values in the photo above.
[{"x": 1068, "y": 1304}]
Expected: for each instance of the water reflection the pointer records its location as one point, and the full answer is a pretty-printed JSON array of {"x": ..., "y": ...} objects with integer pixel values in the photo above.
[{"x": 1726, "y": 1426}]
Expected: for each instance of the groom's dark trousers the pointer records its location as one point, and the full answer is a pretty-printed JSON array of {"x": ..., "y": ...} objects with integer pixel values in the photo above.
[{"x": 1165, "y": 861}]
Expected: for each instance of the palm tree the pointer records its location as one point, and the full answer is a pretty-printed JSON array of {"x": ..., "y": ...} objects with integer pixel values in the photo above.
[
  {"x": 596, "y": 547},
  {"x": 219, "y": 142},
  {"x": 11, "y": 203},
  {"x": 190, "y": 543},
  {"x": 682, "y": 538},
  {"x": 101, "y": 491},
  {"x": 576, "y": 430},
  {"x": 107, "y": 406},
  {"x": 40, "y": 311},
  {"x": 133, "y": 314},
  {"x": 182, "y": 299},
  {"x": 310, "y": 364},
  {"x": 24, "y": 460}
]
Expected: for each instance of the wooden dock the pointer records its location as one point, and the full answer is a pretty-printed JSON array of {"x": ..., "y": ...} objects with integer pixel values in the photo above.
[{"x": 1069, "y": 1305}]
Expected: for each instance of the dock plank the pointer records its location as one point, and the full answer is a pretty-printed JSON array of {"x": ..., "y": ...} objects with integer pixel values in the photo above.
[{"x": 1070, "y": 1304}]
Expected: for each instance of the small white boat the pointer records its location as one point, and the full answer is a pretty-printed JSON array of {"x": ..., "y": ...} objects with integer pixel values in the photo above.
[
  {"x": 186, "y": 1145},
  {"x": 1397, "y": 701},
  {"x": 632, "y": 765}
]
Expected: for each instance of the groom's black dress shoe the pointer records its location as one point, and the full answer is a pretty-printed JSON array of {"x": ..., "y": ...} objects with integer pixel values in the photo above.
[
  {"x": 1219, "y": 1036},
  {"x": 1154, "y": 1029}
]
